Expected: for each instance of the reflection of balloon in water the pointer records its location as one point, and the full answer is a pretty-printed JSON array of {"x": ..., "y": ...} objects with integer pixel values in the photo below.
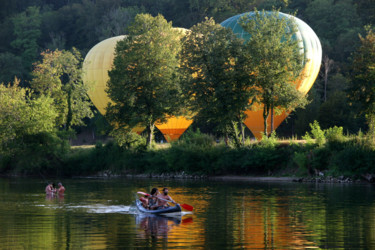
[
  {"x": 96, "y": 65},
  {"x": 312, "y": 58}
]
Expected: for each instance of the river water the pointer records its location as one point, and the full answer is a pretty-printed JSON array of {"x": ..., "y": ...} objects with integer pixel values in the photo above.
[{"x": 100, "y": 214}]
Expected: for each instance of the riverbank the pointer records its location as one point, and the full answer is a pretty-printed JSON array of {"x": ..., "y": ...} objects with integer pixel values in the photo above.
[
  {"x": 234, "y": 178},
  {"x": 338, "y": 159}
]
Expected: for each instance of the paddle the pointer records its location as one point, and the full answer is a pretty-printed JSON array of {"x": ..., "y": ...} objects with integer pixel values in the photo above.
[{"x": 185, "y": 206}]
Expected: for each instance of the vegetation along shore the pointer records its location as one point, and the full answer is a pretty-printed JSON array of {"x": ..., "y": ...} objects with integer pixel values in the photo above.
[{"x": 223, "y": 84}]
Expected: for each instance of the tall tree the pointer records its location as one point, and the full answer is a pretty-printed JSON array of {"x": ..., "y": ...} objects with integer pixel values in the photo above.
[
  {"x": 144, "y": 84},
  {"x": 216, "y": 76},
  {"x": 58, "y": 75},
  {"x": 22, "y": 114},
  {"x": 276, "y": 61},
  {"x": 27, "y": 32},
  {"x": 363, "y": 77}
]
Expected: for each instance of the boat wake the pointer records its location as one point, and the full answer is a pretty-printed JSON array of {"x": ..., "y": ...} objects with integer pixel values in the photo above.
[{"x": 110, "y": 209}]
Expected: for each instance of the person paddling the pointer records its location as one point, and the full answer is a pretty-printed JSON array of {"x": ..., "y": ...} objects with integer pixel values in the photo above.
[{"x": 164, "y": 199}]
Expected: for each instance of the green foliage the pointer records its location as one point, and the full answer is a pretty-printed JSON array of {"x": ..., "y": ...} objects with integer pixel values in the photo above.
[
  {"x": 10, "y": 67},
  {"x": 27, "y": 32},
  {"x": 274, "y": 60},
  {"x": 128, "y": 139},
  {"x": 21, "y": 114},
  {"x": 316, "y": 133},
  {"x": 334, "y": 134},
  {"x": 144, "y": 84},
  {"x": 363, "y": 76},
  {"x": 300, "y": 159},
  {"x": 336, "y": 24},
  {"x": 215, "y": 71},
  {"x": 269, "y": 141},
  {"x": 194, "y": 138},
  {"x": 115, "y": 22},
  {"x": 59, "y": 76}
]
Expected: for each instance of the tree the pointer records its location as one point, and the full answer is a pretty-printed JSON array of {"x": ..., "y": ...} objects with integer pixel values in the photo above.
[
  {"x": 58, "y": 75},
  {"x": 10, "y": 66},
  {"x": 363, "y": 77},
  {"x": 326, "y": 69},
  {"x": 22, "y": 114},
  {"x": 275, "y": 60},
  {"x": 27, "y": 32},
  {"x": 144, "y": 84},
  {"x": 216, "y": 76},
  {"x": 337, "y": 24},
  {"x": 116, "y": 21}
]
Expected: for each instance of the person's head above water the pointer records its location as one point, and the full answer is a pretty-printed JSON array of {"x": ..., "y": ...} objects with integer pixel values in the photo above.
[
  {"x": 165, "y": 191},
  {"x": 153, "y": 191}
]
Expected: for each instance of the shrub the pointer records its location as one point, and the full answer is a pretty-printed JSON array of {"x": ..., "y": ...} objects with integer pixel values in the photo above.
[
  {"x": 268, "y": 142},
  {"x": 300, "y": 159},
  {"x": 316, "y": 133},
  {"x": 334, "y": 134}
]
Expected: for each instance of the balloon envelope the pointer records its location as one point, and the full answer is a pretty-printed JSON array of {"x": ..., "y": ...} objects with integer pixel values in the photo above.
[
  {"x": 174, "y": 127},
  {"x": 312, "y": 52}
]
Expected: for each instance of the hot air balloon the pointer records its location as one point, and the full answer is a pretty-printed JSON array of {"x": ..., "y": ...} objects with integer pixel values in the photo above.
[
  {"x": 312, "y": 51},
  {"x": 174, "y": 127},
  {"x": 97, "y": 63}
]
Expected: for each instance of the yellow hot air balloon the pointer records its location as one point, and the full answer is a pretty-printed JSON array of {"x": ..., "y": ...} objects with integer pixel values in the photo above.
[
  {"x": 97, "y": 63},
  {"x": 312, "y": 51}
]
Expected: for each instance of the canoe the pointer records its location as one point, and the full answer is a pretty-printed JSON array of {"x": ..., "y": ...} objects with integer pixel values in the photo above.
[{"x": 175, "y": 209}]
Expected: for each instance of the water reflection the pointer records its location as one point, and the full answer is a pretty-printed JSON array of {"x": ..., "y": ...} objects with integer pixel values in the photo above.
[
  {"x": 51, "y": 197},
  {"x": 99, "y": 214},
  {"x": 155, "y": 226}
]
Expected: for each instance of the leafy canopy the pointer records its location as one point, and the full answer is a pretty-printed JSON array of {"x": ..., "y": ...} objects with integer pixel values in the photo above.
[
  {"x": 59, "y": 75},
  {"x": 144, "y": 82},
  {"x": 274, "y": 56},
  {"x": 22, "y": 114},
  {"x": 216, "y": 75}
]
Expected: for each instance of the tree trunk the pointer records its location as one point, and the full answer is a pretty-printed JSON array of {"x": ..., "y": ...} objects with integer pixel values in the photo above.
[
  {"x": 226, "y": 139},
  {"x": 327, "y": 63},
  {"x": 69, "y": 115},
  {"x": 235, "y": 134},
  {"x": 242, "y": 132},
  {"x": 266, "y": 112},
  {"x": 272, "y": 125},
  {"x": 150, "y": 133}
]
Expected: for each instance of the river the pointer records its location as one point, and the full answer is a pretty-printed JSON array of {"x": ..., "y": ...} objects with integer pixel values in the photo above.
[{"x": 100, "y": 214}]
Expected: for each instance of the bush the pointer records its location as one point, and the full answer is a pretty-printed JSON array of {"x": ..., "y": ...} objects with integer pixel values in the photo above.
[
  {"x": 334, "y": 134},
  {"x": 128, "y": 139}
]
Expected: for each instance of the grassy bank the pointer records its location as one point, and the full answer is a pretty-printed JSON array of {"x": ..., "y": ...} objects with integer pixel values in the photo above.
[{"x": 197, "y": 154}]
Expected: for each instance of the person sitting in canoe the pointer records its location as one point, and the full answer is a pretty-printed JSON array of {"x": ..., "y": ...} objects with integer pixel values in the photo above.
[
  {"x": 164, "y": 199},
  {"x": 144, "y": 201},
  {"x": 153, "y": 199}
]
